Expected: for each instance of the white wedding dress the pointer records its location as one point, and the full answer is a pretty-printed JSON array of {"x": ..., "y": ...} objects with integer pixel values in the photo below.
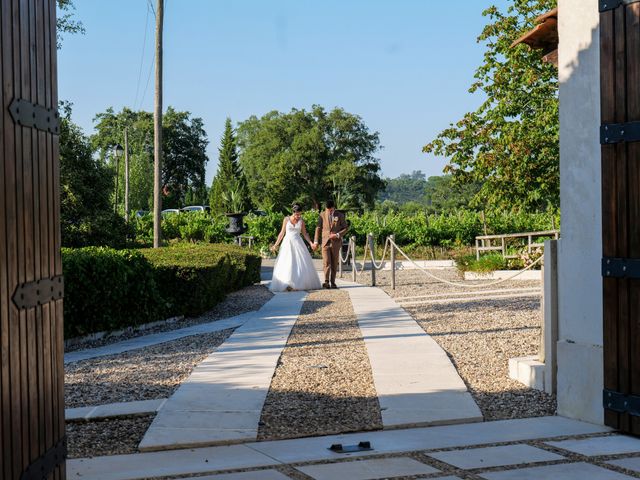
[{"x": 294, "y": 267}]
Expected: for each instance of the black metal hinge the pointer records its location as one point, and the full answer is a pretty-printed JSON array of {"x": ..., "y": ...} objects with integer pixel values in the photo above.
[
  {"x": 621, "y": 267},
  {"x": 47, "y": 463},
  {"x": 32, "y": 294},
  {"x": 611, "y": 133},
  {"x": 29, "y": 114},
  {"x": 621, "y": 403},
  {"x": 606, "y": 5}
]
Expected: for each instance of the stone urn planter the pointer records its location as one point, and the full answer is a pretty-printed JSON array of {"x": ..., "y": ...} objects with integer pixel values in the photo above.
[{"x": 236, "y": 225}]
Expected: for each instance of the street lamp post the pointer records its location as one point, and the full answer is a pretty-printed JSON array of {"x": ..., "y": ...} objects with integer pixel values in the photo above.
[{"x": 117, "y": 152}]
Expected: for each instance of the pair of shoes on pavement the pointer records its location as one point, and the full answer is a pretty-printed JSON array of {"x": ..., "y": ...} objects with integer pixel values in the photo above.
[{"x": 327, "y": 285}]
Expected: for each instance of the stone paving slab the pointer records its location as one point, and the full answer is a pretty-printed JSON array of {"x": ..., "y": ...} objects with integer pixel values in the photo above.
[
  {"x": 120, "y": 409},
  {"x": 426, "y": 438},
  {"x": 175, "y": 462},
  {"x": 255, "y": 475},
  {"x": 495, "y": 456},
  {"x": 416, "y": 382},
  {"x": 601, "y": 445},
  {"x": 368, "y": 469},
  {"x": 222, "y": 399},
  {"x": 632, "y": 463},
  {"x": 163, "y": 337},
  {"x": 565, "y": 471}
]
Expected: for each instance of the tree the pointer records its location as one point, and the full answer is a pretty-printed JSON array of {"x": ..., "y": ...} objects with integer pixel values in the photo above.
[
  {"x": 405, "y": 188},
  {"x": 510, "y": 144},
  {"x": 308, "y": 157},
  {"x": 184, "y": 154},
  {"x": 65, "y": 22},
  {"x": 442, "y": 194},
  {"x": 229, "y": 177},
  {"x": 86, "y": 210}
]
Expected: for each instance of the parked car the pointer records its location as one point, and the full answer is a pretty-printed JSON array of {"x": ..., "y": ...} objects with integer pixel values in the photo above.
[
  {"x": 196, "y": 208},
  {"x": 169, "y": 211},
  {"x": 140, "y": 213}
]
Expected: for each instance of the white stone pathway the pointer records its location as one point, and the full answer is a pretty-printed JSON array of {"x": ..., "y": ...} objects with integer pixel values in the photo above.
[
  {"x": 163, "y": 337},
  {"x": 111, "y": 410},
  {"x": 455, "y": 438},
  {"x": 222, "y": 399},
  {"x": 416, "y": 383}
]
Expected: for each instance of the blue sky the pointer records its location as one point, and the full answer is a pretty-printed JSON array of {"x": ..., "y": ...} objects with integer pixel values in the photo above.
[{"x": 404, "y": 66}]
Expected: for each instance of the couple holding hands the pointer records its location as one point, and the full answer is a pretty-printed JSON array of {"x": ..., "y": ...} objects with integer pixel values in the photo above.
[{"x": 294, "y": 268}]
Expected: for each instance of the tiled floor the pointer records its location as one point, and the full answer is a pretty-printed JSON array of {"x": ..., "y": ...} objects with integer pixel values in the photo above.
[{"x": 551, "y": 448}]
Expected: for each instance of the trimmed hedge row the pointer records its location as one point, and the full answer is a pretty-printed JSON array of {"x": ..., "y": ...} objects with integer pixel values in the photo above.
[{"x": 107, "y": 289}]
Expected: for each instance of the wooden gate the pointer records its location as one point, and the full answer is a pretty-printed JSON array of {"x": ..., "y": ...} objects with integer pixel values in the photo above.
[
  {"x": 620, "y": 139},
  {"x": 31, "y": 336}
]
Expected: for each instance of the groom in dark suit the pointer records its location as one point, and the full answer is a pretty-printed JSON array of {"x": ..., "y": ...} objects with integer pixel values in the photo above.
[{"x": 333, "y": 226}]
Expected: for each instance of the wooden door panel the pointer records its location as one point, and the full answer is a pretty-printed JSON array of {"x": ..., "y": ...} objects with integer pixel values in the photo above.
[
  {"x": 31, "y": 334},
  {"x": 620, "y": 109}
]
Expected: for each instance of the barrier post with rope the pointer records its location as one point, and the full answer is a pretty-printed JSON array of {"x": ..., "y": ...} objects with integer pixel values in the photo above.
[
  {"x": 352, "y": 245},
  {"x": 372, "y": 248},
  {"x": 392, "y": 239}
]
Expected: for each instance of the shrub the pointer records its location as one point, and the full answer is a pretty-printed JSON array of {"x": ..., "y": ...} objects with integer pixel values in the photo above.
[
  {"x": 193, "y": 278},
  {"x": 107, "y": 289},
  {"x": 486, "y": 263}
]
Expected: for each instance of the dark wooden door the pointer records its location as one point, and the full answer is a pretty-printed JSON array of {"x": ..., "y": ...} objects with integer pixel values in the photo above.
[
  {"x": 620, "y": 138},
  {"x": 31, "y": 335}
]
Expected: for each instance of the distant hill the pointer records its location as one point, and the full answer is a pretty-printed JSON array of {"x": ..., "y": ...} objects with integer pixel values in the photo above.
[{"x": 436, "y": 193}]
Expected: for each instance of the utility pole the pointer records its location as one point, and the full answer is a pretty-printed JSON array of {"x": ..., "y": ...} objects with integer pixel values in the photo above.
[
  {"x": 157, "y": 130},
  {"x": 126, "y": 176}
]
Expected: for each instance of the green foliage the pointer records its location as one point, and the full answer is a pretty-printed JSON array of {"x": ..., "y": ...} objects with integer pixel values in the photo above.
[
  {"x": 229, "y": 191},
  {"x": 183, "y": 149},
  {"x": 65, "y": 22},
  {"x": 86, "y": 211},
  {"x": 308, "y": 157},
  {"x": 405, "y": 188},
  {"x": 486, "y": 264},
  {"x": 192, "y": 278},
  {"x": 510, "y": 144},
  {"x": 443, "y": 195},
  {"x": 107, "y": 289},
  {"x": 189, "y": 226},
  {"x": 421, "y": 229}
]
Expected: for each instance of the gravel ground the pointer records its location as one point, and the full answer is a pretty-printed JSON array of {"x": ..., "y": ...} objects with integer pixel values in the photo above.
[
  {"x": 144, "y": 374},
  {"x": 323, "y": 382},
  {"x": 246, "y": 300},
  {"x": 106, "y": 437},
  {"x": 480, "y": 336}
]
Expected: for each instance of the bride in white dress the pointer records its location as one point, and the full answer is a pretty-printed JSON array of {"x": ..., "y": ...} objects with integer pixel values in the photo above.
[{"x": 294, "y": 268}]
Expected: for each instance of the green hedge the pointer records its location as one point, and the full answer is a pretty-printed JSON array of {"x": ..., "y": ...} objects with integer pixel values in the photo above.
[
  {"x": 192, "y": 278},
  {"x": 107, "y": 289}
]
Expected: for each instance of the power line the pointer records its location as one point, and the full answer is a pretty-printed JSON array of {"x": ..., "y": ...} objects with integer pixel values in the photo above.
[
  {"x": 144, "y": 94},
  {"x": 144, "y": 46}
]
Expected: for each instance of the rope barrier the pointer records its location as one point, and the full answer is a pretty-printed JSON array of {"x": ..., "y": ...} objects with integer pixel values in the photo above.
[
  {"x": 456, "y": 284},
  {"x": 384, "y": 254},
  {"x": 344, "y": 260}
]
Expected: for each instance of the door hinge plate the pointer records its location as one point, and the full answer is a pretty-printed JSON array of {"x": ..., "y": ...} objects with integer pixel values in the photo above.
[
  {"x": 611, "y": 133},
  {"x": 606, "y": 5},
  {"x": 47, "y": 463},
  {"x": 32, "y": 115},
  {"x": 620, "y": 267},
  {"x": 33, "y": 294}
]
